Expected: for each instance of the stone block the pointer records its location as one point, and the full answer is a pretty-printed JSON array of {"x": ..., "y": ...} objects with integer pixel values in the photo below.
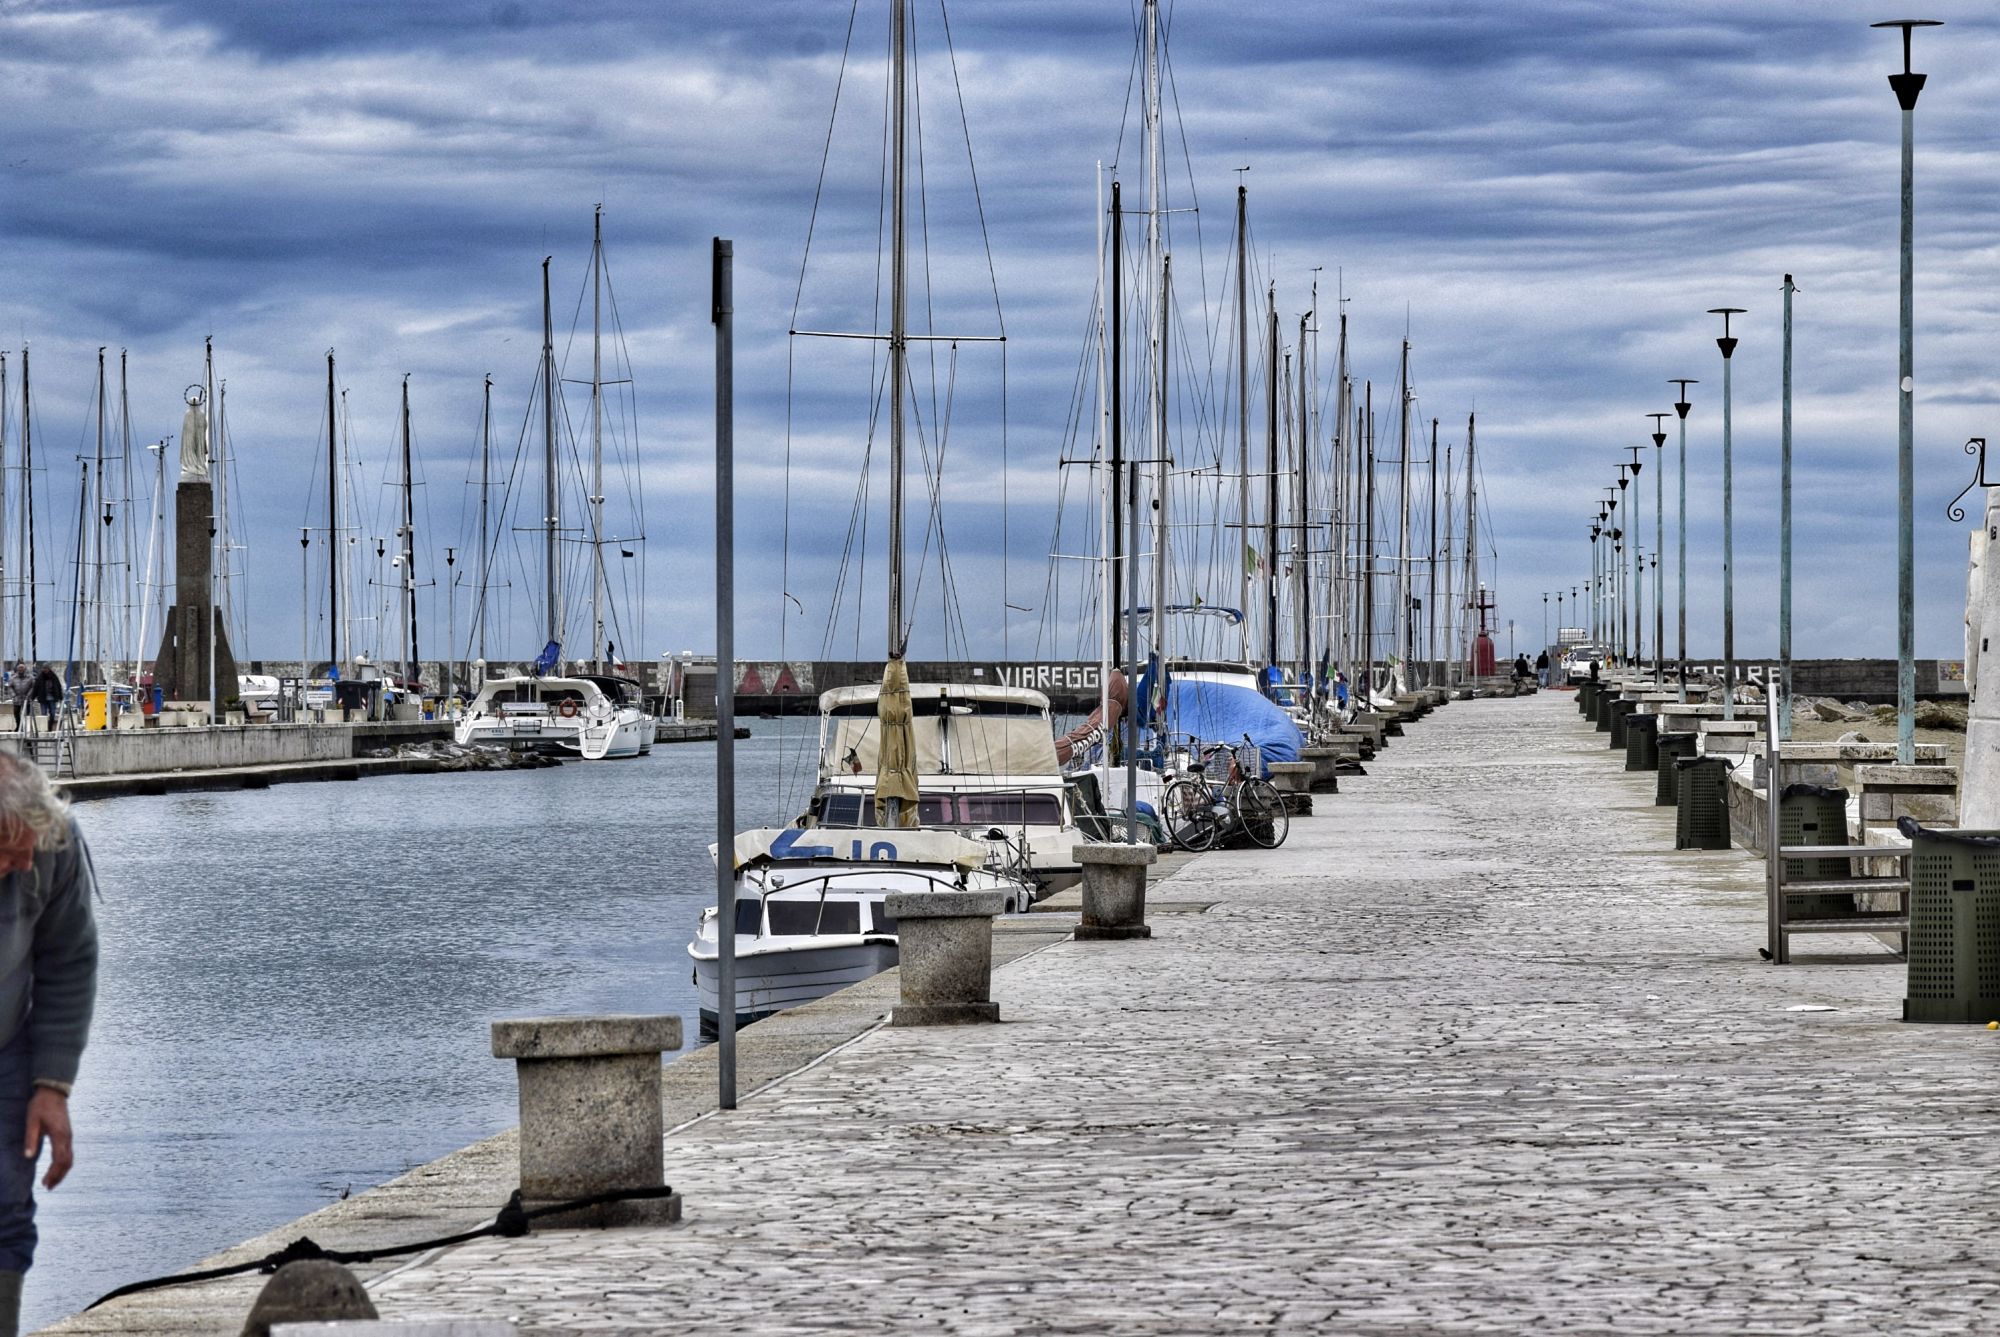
[
  {"x": 945, "y": 941},
  {"x": 590, "y": 1112},
  {"x": 1292, "y": 777},
  {"x": 307, "y": 1290},
  {"x": 1939, "y": 809},
  {"x": 409, "y": 1327},
  {"x": 1114, "y": 891}
]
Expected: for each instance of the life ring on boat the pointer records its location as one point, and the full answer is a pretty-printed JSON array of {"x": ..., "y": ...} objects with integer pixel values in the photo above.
[{"x": 567, "y": 708}]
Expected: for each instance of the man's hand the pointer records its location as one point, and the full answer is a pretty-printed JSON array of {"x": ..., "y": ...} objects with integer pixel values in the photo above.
[{"x": 48, "y": 1116}]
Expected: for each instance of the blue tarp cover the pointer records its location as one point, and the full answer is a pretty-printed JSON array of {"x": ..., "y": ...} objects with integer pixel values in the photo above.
[{"x": 1216, "y": 712}]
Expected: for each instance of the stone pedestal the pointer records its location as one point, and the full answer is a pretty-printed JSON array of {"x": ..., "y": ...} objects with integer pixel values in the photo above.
[
  {"x": 945, "y": 943},
  {"x": 1114, "y": 890},
  {"x": 1325, "y": 762},
  {"x": 181, "y": 668},
  {"x": 1729, "y": 738},
  {"x": 590, "y": 1112}
]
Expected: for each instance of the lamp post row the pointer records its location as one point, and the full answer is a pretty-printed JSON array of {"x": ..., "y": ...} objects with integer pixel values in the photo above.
[{"x": 1627, "y": 635}]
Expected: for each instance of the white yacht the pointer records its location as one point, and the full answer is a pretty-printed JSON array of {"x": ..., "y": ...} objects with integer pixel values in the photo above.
[
  {"x": 811, "y": 913},
  {"x": 573, "y": 715},
  {"x": 985, "y": 761}
]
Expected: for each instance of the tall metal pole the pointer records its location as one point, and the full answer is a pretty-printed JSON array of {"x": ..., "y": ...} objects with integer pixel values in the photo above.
[
  {"x": 1633, "y": 514},
  {"x": 1271, "y": 490},
  {"x": 551, "y": 496},
  {"x": 1659, "y": 545},
  {"x": 1128, "y": 727},
  {"x": 1302, "y": 535},
  {"x": 1156, "y": 272},
  {"x": 1728, "y": 347},
  {"x": 1405, "y": 632},
  {"x": 413, "y": 669},
  {"x": 1243, "y": 417},
  {"x": 96, "y": 542},
  {"x": 1906, "y": 87},
  {"x": 1681, "y": 407},
  {"x": 898, "y": 314},
  {"x": 722, "y": 315},
  {"x": 1785, "y": 532},
  {"x": 1367, "y": 442},
  {"x": 1431, "y": 657},
  {"x": 597, "y": 434},
  {"x": 485, "y": 483},
  {"x": 34, "y": 637},
  {"x": 332, "y": 525}
]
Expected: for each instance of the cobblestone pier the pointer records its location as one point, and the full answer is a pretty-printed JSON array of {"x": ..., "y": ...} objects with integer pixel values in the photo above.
[{"x": 1476, "y": 1051}]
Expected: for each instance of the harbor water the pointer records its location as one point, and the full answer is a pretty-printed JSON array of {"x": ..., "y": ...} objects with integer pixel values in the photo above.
[{"x": 296, "y": 981}]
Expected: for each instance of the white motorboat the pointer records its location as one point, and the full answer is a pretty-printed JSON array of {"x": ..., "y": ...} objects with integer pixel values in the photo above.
[
  {"x": 986, "y": 768},
  {"x": 811, "y": 914},
  {"x": 573, "y": 715}
]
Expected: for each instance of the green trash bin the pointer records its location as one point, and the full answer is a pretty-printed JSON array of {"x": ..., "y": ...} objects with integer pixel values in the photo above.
[
  {"x": 1954, "y": 942},
  {"x": 1586, "y": 698},
  {"x": 1621, "y": 715},
  {"x": 1607, "y": 697},
  {"x": 1815, "y": 815},
  {"x": 1642, "y": 751},
  {"x": 1701, "y": 810},
  {"x": 1955, "y": 925},
  {"x": 1671, "y": 748}
]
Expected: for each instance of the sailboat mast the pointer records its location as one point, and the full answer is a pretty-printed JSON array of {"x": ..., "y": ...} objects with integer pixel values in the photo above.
[
  {"x": 1303, "y": 534},
  {"x": 551, "y": 503},
  {"x": 1403, "y": 627},
  {"x": 898, "y": 313},
  {"x": 1243, "y": 419},
  {"x": 332, "y": 525},
  {"x": 411, "y": 660},
  {"x": 597, "y": 434},
  {"x": 95, "y": 544},
  {"x": 1271, "y": 485},
  {"x": 1118, "y": 607},
  {"x": 485, "y": 481},
  {"x": 129, "y": 592},
  {"x": 1156, "y": 272},
  {"x": 1339, "y": 527},
  {"x": 1367, "y": 440},
  {"x": 33, "y": 638},
  {"x": 6, "y": 522},
  {"x": 1472, "y": 534},
  {"x": 1431, "y": 572}
]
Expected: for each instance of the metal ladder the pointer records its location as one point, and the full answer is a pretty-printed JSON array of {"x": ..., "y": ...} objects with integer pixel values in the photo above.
[{"x": 1781, "y": 891}]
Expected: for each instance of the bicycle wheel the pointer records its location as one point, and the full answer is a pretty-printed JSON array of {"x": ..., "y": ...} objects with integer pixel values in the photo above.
[
  {"x": 1260, "y": 810},
  {"x": 1188, "y": 811}
]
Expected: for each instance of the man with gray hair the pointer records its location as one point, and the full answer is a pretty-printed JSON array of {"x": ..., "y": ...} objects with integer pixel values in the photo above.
[{"x": 48, "y": 985}]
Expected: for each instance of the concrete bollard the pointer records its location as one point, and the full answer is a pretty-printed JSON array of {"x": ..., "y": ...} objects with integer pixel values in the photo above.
[
  {"x": 1114, "y": 890},
  {"x": 1292, "y": 777},
  {"x": 590, "y": 1112},
  {"x": 945, "y": 946},
  {"x": 309, "y": 1290}
]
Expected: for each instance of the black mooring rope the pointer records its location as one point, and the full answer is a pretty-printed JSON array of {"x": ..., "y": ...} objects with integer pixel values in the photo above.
[{"x": 512, "y": 1221}]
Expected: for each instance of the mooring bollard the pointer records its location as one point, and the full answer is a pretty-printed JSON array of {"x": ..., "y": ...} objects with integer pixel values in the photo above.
[
  {"x": 590, "y": 1113},
  {"x": 945, "y": 946},
  {"x": 1114, "y": 890}
]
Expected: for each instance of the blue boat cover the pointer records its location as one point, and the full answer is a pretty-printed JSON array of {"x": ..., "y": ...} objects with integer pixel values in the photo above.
[{"x": 1217, "y": 712}]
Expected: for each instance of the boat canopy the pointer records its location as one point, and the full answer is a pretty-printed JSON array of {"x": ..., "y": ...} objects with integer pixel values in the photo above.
[
  {"x": 957, "y": 730},
  {"x": 790, "y": 844}
]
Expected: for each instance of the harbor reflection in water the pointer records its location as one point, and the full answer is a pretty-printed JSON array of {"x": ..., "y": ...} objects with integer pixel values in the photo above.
[{"x": 296, "y": 982}]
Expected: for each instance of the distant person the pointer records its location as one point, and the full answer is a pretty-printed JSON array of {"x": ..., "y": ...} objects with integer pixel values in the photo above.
[
  {"x": 1593, "y": 668},
  {"x": 1542, "y": 668},
  {"x": 48, "y": 986},
  {"x": 1520, "y": 667},
  {"x": 20, "y": 688},
  {"x": 48, "y": 692}
]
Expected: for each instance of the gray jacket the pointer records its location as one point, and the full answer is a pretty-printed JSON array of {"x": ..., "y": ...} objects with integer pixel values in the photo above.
[{"x": 48, "y": 957}]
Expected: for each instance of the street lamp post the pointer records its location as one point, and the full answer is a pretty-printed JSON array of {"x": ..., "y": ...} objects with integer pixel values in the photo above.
[
  {"x": 1545, "y": 621},
  {"x": 1785, "y": 530},
  {"x": 1624, "y": 595},
  {"x": 1638, "y": 572},
  {"x": 1728, "y": 347},
  {"x": 1906, "y": 87},
  {"x": 1681, "y": 407},
  {"x": 1659, "y": 542}
]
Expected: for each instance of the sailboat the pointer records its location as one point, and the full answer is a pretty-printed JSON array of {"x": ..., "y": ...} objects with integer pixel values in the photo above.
[
  {"x": 592, "y": 715},
  {"x": 922, "y": 786}
]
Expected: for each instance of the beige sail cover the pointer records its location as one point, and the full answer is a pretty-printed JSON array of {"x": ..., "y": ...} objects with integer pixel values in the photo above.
[
  {"x": 194, "y": 442},
  {"x": 896, "y": 755}
]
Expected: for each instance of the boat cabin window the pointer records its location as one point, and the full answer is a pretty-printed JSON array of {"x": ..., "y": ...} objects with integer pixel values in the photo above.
[
  {"x": 1008, "y": 809},
  {"x": 749, "y": 916},
  {"x": 804, "y": 918},
  {"x": 884, "y": 921}
]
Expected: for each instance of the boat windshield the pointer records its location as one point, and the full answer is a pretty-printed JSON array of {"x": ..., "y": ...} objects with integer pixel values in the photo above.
[
  {"x": 853, "y": 808},
  {"x": 800, "y": 919}
]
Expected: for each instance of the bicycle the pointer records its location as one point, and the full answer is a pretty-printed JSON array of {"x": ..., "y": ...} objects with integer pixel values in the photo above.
[{"x": 1198, "y": 813}]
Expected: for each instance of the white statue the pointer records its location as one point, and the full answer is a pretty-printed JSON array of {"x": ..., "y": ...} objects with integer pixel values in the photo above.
[
  {"x": 194, "y": 439},
  {"x": 1979, "y": 785}
]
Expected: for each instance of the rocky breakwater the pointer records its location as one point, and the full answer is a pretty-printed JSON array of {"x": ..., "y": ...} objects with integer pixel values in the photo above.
[{"x": 445, "y": 755}]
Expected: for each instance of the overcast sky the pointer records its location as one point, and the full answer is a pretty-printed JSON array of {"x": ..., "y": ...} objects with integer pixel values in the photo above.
[{"x": 1550, "y": 194}]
